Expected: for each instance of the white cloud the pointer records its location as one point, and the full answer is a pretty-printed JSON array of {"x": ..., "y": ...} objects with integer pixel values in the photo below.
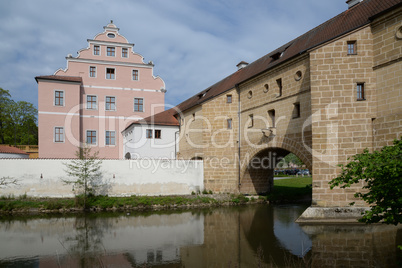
[{"x": 193, "y": 44}]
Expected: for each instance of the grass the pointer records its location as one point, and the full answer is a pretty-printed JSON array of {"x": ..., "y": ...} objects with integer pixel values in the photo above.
[
  {"x": 285, "y": 190},
  {"x": 100, "y": 203},
  {"x": 291, "y": 190}
]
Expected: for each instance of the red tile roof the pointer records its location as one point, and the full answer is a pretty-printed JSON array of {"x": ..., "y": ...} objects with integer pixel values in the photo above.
[
  {"x": 7, "y": 149},
  {"x": 347, "y": 21},
  {"x": 165, "y": 118},
  {"x": 75, "y": 79}
]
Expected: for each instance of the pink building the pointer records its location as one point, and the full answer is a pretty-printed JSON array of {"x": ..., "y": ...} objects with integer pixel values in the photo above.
[{"x": 98, "y": 95}]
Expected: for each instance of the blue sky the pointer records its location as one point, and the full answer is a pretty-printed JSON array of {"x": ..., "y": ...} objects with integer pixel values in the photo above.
[{"x": 193, "y": 43}]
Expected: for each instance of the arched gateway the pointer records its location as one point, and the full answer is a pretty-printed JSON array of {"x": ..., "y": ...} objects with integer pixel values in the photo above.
[
  {"x": 257, "y": 170},
  {"x": 324, "y": 96}
]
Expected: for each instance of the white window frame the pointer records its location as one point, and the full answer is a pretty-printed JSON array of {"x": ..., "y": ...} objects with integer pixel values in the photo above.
[
  {"x": 86, "y": 102},
  {"x": 138, "y": 75},
  {"x": 96, "y": 72},
  {"x": 143, "y": 105},
  {"x": 54, "y": 98},
  {"x": 115, "y": 106},
  {"x": 114, "y": 73},
  {"x": 160, "y": 136},
  {"x": 96, "y": 137},
  {"x": 149, "y": 130},
  {"x": 122, "y": 52},
  {"x": 113, "y": 52},
  {"x": 54, "y": 135},
  {"x": 109, "y": 138},
  {"x": 100, "y": 50}
]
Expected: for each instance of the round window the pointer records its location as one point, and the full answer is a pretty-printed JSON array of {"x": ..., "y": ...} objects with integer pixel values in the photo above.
[
  {"x": 250, "y": 94},
  {"x": 111, "y": 35},
  {"x": 298, "y": 75},
  {"x": 266, "y": 88},
  {"x": 399, "y": 33}
]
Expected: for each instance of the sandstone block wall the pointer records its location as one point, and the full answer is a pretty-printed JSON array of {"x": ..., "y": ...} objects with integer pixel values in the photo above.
[
  {"x": 387, "y": 43},
  {"x": 341, "y": 124},
  {"x": 265, "y": 106}
]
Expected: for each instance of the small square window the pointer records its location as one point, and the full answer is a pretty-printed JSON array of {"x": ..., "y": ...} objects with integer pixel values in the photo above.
[
  {"x": 111, "y": 51},
  {"x": 110, "y": 73},
  {"x": 229, "y": 123},
  {"x": 96, "y": 50},
  {"x": 352, "y": 48},
  {"x": 58, "y": 98},
  {"x": 92, "y": 71},
  {"x": 135, "y": 74},
  {"x": 138, "y": 105},
  {"x": 110, "y": 138},
  {"x": 91, "y": 102},
  {"x": 124, "y": 52},
  {"x": 149, "y": 134},
  {"x": 110, "y": 104},
  {"x": 58, "y": 134},
  {"x": 91, "y": 137},
  {"x": 360, "y": 91},
  {"x": 228, "y": 98},
  {"x": 158, "y": 133}
]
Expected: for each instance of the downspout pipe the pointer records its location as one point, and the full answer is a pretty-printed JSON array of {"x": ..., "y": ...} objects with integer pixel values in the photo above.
[{"x": 238, "y": 135}]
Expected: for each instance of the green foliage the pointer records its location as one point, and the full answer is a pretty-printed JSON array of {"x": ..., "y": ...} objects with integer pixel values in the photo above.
[
  {"x": 290, "y": 158},
  {"x": 85, "y": 172},
  {"x": 381, "y": 172},
  {"x": 294, "y": 189},
  {"x": 240, "y": 199},
  {"x": 17, "y": 121}
]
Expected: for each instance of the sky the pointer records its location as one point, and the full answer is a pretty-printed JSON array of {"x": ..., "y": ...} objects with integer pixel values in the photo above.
[{"x": 193, "y": 43}]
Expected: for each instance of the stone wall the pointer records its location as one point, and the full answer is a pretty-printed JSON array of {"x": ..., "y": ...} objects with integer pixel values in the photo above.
[
  {"x": 220, "y": 156},
  {"x": 387, "y": 43},
  {"x": 192, "y": 126},
  {"x": 341, "y": 123},
  {"x": 264, "y": 109},
  {"x": 43, "y": 177}
]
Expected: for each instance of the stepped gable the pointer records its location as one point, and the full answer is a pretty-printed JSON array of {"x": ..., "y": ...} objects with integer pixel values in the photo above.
[{"x": 349, "y": 20}]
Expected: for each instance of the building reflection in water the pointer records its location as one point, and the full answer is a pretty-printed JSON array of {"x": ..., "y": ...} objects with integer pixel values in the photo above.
[{"x": 246, "y": 236}]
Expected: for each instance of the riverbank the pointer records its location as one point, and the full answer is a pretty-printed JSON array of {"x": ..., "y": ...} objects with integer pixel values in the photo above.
[
  {"x": 294, "y": 190},
  {"x": 25, "y": 204}
]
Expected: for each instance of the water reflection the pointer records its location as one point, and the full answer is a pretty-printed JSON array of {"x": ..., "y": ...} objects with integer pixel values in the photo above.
[{"x": 249, "y": 236}]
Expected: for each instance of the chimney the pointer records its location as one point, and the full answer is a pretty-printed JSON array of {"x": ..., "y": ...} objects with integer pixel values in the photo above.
[
  {"x": 352, "y": 3},
  {"x": 241, "y": 65}
]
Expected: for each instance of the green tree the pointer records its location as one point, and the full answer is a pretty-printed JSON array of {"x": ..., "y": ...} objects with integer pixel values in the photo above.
[
  {"x": 17, "y": 121},
  {"x": 85, "y": 172},
  {"x": 382, "y": 173},
  {"x": 23, "y": 122},
  {"x": 290, "y": 158},
  {"x": 5, "y": 101}
]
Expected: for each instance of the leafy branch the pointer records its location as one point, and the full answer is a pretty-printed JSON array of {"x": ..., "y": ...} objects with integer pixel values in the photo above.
[{"x": 381, "y": 172}]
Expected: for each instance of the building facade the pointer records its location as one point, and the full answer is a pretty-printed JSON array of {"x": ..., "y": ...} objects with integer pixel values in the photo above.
[
  {"x": 154, "y": 137},
  {"x": 324, "y": 96},
  {"x": 101, "y": 91}
]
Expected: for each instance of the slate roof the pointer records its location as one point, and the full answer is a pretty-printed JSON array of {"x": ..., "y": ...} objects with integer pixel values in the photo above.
[
  {"x": 76, "y": 79},
  {"x": 7, "y": 149},
  {"x": 349, "y": 20}
]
